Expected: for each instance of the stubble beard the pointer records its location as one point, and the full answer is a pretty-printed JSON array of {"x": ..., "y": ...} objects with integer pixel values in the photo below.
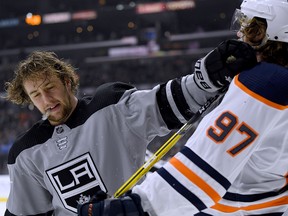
[{"x": 65, "y": 113}]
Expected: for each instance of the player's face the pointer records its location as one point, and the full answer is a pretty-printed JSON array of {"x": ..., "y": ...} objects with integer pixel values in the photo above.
[
  {"x": 251, "y": 31},
  {"x": 50, "y": 94}
]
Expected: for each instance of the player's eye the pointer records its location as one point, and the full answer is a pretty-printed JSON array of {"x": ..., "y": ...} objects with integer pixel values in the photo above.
[
  {"x": 35, "y": 95},
  {"x": 49, "y": 87}
]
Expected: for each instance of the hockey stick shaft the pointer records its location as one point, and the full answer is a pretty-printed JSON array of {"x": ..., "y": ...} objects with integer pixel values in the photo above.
[{"x": 163, "y": 149}]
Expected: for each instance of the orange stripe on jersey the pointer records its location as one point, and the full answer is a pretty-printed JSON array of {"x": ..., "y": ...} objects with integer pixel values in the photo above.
[
  {"x": 230, "y": 209},
  {"x": 258, "y": 97},
  {"x": 195, "y": 179}
]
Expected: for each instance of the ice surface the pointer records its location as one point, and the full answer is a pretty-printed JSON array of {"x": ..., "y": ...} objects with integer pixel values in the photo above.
[{"x": 4, "y": 192}]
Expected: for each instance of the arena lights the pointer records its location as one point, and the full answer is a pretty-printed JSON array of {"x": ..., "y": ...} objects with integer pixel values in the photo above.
[
  {"x": 9, "y": 22},
  {"x": 169, "y": 6},
  {"x": 59, "y": 17},
  {"x": 33, "y": 19},
  {"x": 150, "y": 8},
  {"x": 84, "y": 15},
  {"x": 180, "y": 5}
]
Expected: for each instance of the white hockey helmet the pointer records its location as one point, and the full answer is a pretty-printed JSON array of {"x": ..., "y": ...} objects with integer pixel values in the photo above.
[{"x": 274, "y": 11}]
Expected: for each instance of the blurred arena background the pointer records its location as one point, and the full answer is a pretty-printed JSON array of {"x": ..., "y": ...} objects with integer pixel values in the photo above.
[{"x": 142, "y": 42}]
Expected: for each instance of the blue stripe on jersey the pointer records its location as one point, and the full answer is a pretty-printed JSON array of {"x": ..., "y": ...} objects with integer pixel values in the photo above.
[
  {"x": 270, "y": 214},
  {"x": 206, "y": 167},
  {"x": 267, "y": 80},
  {"x": 203, "y": 214},
  {"x": 191, "y": 197},
  {"x": 253, "y": 197}
]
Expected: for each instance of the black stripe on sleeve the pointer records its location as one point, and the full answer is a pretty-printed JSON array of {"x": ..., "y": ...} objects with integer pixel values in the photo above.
[
  {"x": 191, "y": 197},
  {"x": 206, "y": 167},
  {"x": 167, "y": 114},
  {"x": 180, "y": 100}
]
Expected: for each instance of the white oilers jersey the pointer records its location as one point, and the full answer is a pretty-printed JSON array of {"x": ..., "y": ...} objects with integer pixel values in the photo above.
[
  {"x": 236, "y": 162},
  {"x": 102, "y": 144}
]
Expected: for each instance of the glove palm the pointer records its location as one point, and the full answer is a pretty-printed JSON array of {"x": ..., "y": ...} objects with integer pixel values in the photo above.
[{"x": 217, "y": 69}]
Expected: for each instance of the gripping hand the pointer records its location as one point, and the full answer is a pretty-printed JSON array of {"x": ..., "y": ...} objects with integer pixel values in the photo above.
[
  {"x": 130, "y": 204},
  {"x": 216, "y": 70}
]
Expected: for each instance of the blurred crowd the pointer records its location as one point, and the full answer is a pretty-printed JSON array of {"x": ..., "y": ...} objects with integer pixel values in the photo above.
[
  {"x": 14, "y": 120},
  {"x": 137, "y": 72}
]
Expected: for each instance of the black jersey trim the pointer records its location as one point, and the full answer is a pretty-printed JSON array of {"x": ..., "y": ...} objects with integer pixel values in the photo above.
[{"x": 105, "y": 95}]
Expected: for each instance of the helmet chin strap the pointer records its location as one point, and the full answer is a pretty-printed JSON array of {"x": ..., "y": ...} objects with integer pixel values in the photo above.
[
  {"x": 256, "y": 47},
  {"x": 263, "y": 42}
]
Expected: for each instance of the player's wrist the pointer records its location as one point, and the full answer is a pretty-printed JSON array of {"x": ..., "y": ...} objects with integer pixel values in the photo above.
[{"x": 201, "y": 77}]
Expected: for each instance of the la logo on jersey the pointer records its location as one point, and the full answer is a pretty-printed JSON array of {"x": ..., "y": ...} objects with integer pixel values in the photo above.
[{"x": 75, "y": 179}]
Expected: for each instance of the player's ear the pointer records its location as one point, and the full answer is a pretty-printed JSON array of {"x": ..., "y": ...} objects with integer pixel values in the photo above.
[{"x": 67, "y": 83}]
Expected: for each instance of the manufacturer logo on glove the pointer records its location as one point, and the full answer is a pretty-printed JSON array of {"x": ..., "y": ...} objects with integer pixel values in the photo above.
[{"x": 199, "y": 79}]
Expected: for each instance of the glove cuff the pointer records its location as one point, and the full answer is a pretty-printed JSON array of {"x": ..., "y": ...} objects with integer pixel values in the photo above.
[{"x": 201, "y": 77}]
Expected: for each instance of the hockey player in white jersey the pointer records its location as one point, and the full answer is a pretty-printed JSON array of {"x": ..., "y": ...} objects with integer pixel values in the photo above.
[
  {"x": 96, "y": 143},
  {"x": 236, "y": 162}
]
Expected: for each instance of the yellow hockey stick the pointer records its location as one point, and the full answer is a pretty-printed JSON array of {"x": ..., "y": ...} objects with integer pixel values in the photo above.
[{"x": 163, "y": 150}]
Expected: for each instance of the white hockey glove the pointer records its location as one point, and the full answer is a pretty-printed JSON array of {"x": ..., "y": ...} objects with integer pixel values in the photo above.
[{"x": 216, "y": 70}]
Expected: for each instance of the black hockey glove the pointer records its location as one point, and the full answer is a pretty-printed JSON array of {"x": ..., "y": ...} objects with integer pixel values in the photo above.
[
  {"x": 127, "y": 205},
  {"x": 216, "y": 70}
]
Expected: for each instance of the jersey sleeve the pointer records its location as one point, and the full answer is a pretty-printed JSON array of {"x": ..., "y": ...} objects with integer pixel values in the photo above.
[
  {"x": 21, "y": 201},
  {"x": 167, "y": 106}
]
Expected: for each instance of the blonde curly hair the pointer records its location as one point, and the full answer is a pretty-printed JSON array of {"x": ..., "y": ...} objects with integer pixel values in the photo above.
[
  {"x": 33, "y": 68},
  {"x": 271, "y": 51}
]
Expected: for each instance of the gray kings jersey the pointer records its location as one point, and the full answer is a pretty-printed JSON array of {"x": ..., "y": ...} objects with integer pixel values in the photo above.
[{"x": 101, "y": 145}]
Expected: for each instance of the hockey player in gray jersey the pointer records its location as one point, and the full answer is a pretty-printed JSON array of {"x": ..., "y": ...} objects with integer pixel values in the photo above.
[{"x": 88, "y": 144}]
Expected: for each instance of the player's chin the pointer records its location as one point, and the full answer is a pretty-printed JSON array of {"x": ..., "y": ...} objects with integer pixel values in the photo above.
[
  {"x": 59, "y": 115},
  {"x": 57, "y": 119}
]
